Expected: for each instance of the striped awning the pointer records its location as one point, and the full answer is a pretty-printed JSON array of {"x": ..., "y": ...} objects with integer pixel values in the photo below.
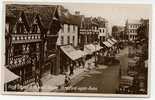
[
  {"x": 71, "y": 52},
  {"x": 107, "y": 44},
  {"x": 114, "y": 40},
  {"x": 111, "y": 42}
]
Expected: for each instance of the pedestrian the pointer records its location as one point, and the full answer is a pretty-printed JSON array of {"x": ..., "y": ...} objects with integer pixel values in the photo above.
[
  {"x": 67, "y": 80},
  {"x": 71, "y": 69},
  {"x": 89, "y": 65},
  {"x": 83, "y": 63},
  {"x": 36, "y": 79},
  {"x": 40, "y": 85}
]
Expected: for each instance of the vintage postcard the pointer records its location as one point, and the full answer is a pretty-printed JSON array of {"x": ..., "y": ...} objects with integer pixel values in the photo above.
[{"x": 76, "y": 49}]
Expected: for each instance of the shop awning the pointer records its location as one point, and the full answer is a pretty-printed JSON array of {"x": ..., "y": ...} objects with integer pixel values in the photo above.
[
  {"x": 90, "y": 47},
  {"x": 107, "y": 44},
  {"x": 93, "y": 48},
  {"x": 87, "y": 51},
  {"x": 77, "y": 54},
  {"x": 114, "y": 40},
  {"x": 110, "y": 41},
  {"x": 8, "y": 75},
  {"x": 71, "y": 52},
  {"x": 98, "y": 47}
]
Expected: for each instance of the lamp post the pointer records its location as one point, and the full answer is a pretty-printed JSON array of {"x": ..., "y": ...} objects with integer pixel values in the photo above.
[{"x": 95, "y": 54}]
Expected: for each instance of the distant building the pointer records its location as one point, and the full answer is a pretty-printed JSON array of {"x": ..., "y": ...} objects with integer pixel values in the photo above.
[
  {"x": 118, "y": 32},
  {"x": 67, "y": 42},
  {"x": 131, "y": 29},
  {"x": 88, "y": 31},
  {"x": 103, "y": 29},
  {"x": 146, "y": 22}
]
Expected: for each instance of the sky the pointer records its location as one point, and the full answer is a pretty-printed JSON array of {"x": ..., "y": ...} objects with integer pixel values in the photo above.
[{"x": 116, "y": 14}]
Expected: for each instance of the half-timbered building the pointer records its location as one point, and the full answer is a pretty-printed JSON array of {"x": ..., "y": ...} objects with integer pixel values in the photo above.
[
  {"x": 23, "y": 46},
  {"x": 30, "y": 42}
]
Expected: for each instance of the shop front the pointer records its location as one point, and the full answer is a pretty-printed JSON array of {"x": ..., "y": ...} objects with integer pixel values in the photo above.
[{"x": 70, "y": 57}]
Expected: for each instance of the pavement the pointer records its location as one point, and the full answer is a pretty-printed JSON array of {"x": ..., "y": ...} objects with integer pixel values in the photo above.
[{"x": 51, "y": 82}]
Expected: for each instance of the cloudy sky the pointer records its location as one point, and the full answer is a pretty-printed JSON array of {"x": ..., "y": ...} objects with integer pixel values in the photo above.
[{"x": 116, "y": 14}]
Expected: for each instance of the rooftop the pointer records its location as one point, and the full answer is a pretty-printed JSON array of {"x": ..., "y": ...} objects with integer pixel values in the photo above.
[{"x": 45, "y": 13}]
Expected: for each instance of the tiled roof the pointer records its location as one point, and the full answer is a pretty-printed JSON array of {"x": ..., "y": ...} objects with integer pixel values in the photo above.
[
  {"x": 45, "y": 13},
  {"x": 76, "y": 20}
]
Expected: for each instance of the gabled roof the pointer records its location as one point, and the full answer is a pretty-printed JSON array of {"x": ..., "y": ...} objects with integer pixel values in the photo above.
[
  {"x": 27, "y": 18},
  {"x": 45, "y": 14},
  {"x": 76, "y": 20},
  {"x": 44, "y": 11},
  {"x": 13, "y": 20}
]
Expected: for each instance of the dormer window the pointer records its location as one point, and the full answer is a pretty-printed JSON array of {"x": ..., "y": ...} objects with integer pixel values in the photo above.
[
  {"x": 20, "y": 26},
  {"x": 34, "y": 28}
]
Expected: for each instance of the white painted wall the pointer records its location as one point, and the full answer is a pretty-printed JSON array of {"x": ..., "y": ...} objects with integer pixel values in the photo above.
[
  {"x": 132, "y": 27},
  {"x": 64, "y": 32},
  {"x": 102, "y": 31}
]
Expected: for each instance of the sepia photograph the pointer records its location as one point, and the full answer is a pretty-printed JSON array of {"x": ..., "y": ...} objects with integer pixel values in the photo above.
[{"x": 76, "y": 49}]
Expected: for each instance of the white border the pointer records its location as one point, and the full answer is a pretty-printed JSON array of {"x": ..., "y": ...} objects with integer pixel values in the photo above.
[{"x": 74, "y": 94}]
